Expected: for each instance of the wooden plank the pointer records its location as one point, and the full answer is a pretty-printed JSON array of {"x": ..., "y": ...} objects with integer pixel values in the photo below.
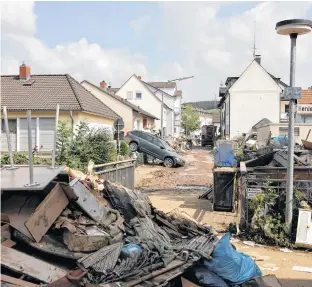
[
  {"x": 17, "y": 282},
  {"x": 31, "y": 266},
  {"x": 47, "y": 212}
]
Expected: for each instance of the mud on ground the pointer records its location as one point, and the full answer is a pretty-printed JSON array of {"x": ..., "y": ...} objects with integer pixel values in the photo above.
[{"x": 163, "y": 187}]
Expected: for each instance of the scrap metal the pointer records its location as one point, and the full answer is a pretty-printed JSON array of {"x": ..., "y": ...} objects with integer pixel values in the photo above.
[{"x": 88, "y": 202}]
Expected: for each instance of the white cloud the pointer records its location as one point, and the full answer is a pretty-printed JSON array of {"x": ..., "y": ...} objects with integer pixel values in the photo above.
[
  {"x": 222, "y": 47},
  {"x": 201, "y": 44},
  {"x": 18, "y": 18},
  {"x": 82, "y": 59},
  {"x": 138, "y": 25}
]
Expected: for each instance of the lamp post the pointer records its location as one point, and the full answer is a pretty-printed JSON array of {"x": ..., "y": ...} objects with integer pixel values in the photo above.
[{"x": 292, "y": 28}]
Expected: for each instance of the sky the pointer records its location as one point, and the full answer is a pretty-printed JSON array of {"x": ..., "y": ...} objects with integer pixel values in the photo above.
[{"x": 158, "y": 41}]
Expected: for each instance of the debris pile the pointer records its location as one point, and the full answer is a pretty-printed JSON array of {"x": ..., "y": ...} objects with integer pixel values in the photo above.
[{"x": 95, "y": 232}]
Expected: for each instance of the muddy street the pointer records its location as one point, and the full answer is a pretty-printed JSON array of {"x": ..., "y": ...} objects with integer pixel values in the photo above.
[{"x": 180, "y": 188}]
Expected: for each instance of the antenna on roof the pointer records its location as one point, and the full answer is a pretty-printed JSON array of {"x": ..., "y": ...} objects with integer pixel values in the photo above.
[{"x": 254, "y": 46}]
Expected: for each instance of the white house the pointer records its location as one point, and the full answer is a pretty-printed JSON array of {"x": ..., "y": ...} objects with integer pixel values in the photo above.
[
  {"x": 133, "y": 116},
  {"x": 138, "y": 93},
  {"x": 173, "y": 98},
  {"x": 249, "y": 98}
]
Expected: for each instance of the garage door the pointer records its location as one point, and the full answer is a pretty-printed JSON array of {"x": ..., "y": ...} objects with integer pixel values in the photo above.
[
  {"x": 46, "y": 134},
  {"x": 24, "y": 134}
]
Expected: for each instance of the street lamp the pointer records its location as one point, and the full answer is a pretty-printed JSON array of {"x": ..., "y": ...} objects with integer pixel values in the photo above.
[{"x": 292, "y": 28}]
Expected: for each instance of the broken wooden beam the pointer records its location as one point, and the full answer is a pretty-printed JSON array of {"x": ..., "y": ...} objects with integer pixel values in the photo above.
[
  {"x": 47, "y": 212},
  {"x": 16, "y": 282}
]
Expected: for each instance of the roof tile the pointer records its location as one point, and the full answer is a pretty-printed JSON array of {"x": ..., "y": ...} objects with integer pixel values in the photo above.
[
  {"x": 49, "y": 90},
  {"x": 306, "y": 97}
]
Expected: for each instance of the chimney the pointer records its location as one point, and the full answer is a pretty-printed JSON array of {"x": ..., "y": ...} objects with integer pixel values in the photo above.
[
  {"x": 258, "y": 59},
  {"x": 24, "y": 72},
  {"x": 103, "y": 85},
  {"x": 140, "y": 78}
]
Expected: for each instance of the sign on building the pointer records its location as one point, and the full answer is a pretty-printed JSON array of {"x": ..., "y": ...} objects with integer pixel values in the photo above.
[{"x": 304, "y": 109}]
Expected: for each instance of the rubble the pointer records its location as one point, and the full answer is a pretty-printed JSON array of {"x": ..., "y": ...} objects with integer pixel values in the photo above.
[{"x": 78, "y": 232}]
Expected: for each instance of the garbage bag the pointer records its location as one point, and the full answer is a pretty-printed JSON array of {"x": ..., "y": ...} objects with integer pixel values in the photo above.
[
  {"x": 230, "y": 264},
  {"x": 265, "y": 281},
  {"x": 207, "y": 278}
]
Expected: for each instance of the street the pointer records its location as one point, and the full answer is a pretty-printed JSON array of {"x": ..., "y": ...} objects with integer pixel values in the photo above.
[{"x": 179, "y": 188}]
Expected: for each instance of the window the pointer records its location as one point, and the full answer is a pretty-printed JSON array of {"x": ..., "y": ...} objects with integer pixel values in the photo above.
[
  {"x": 286, "y": 108},
  {"x": 12, "y": 125},
  {"x": 129, "y": 95},
  {"x": 147, "y": 137},
  {"x": 283, "y": 131},
  {"x": 156, "y": 141},
  {"x": 138, "y": 95}
]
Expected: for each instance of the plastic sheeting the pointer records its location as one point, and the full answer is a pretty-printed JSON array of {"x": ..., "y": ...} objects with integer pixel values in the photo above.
[
  {"x": 208, "y": 278},
  {"x": 230, "y": 264}
]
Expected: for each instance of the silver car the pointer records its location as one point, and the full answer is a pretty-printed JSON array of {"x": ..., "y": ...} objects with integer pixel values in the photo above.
[{"x": 154, "y": 146}]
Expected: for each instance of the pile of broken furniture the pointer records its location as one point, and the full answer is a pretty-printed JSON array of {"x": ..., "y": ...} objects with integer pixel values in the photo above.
[{"x": 69, "y": 229}]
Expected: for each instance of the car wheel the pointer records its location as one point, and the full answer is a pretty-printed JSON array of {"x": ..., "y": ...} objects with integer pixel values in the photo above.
[
  {"x": 168, "y": 162},
  {"x": 133, "y": 146}
]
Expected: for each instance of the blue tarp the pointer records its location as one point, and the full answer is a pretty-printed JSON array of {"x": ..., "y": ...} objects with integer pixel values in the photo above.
[
  {"x": 231, "y": 265},
  {"x": 224, "y": 155}
]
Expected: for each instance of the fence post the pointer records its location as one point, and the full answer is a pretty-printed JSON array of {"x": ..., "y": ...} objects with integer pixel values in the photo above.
[
  {"x": 7, "y": 131},
  {"x": 30, "y": 155},
  {"x": 55, "y": 135}
]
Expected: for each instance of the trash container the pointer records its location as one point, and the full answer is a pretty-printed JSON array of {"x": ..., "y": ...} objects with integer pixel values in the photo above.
[{"x": 223, "y": 191}]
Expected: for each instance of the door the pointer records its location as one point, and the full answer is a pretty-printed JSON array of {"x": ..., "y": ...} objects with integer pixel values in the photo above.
[
  {"x": 24, "y": 134},
  {"x": 147, "y": 145},
  {"x": 160, "y": 150},
  {"x": 46, "y": 134}
]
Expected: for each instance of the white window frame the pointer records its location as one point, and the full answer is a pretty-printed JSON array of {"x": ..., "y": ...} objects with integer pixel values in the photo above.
[
  {"x": 131, "y": 97},
  {"x": 137, "y": 97}
]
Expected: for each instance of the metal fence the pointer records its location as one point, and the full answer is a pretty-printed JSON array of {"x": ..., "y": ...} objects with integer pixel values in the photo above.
[
  {"x": 261, "y": 179},
  {"x": 120, "y": 172}
]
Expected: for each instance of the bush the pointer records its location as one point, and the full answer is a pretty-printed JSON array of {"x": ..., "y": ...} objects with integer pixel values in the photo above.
[
  {"x": 75, "y": 151},
  {"x": 267, "y": 213},
  {"x": 22, "y": 158},
  {"x": 124, "y": 148}
]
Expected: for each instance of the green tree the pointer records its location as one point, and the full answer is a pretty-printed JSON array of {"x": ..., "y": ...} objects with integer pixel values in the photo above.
[
  {"x": 190, "y": 120},
  {"x": 75, "y": 151}
]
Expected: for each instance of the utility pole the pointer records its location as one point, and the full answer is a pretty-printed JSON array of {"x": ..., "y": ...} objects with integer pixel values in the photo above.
[
  {"x": 162, "y": 115},
  {"x": 292, "y": 28}
]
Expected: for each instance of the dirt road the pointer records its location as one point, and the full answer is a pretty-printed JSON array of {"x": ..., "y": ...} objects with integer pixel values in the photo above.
[{"x": 172, "y": 188}]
